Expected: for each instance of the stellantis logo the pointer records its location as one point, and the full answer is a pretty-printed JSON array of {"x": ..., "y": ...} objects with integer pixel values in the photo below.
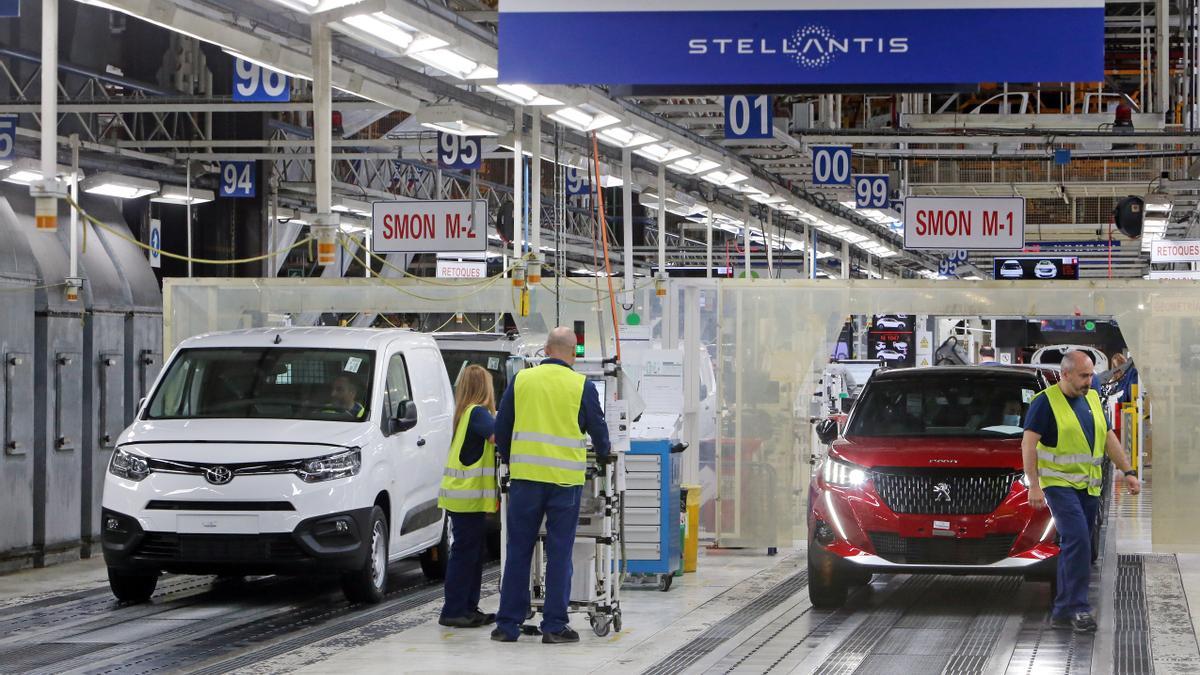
[{"x": 813, "y": 46}]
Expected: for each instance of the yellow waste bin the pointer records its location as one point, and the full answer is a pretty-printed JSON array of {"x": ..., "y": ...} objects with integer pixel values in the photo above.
[{"x": 691, "y": 542}]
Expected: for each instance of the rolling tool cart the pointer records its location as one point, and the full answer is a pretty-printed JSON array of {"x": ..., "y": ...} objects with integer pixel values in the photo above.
[
  {"x": 652, "y": 542},
  {"x": 597, "y": 554}
]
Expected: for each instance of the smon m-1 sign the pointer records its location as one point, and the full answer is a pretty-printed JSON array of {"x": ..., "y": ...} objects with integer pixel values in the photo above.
[
  {"x": 429, "y": 226},
  {"x": 970, "y": 223}
]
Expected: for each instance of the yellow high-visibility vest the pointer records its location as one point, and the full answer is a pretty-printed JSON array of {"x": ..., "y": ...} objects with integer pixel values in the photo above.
[
  {"x": 547, "y": 445},
  {"x": 469, "y": 488},
  {"x": 1073, "y": 463}
]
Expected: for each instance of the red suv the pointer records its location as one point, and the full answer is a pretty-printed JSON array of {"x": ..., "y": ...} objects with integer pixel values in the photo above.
[{"x": 927, "y": 478}]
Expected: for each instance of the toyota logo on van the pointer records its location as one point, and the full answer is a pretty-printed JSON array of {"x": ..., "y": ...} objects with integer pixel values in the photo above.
[{"x": 218, "y": 475}]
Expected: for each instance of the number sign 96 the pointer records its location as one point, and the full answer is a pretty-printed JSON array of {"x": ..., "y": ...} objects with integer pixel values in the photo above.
[{"x": 252, "y": 82}]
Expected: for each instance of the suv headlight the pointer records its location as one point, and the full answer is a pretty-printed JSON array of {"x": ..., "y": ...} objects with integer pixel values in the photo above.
[
  {"x": 1023, "y": 479},
  {"x": 331, "y": 467},
  {"x": 128, "y": 466},
  {"x": 845, "y": 474}
]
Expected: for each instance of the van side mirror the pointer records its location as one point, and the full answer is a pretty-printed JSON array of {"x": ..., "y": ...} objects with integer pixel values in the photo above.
[
  {"x": 827, "y": 430},
  {"x": 847, "y": 404},
  {"x": 405, "y": 419}
]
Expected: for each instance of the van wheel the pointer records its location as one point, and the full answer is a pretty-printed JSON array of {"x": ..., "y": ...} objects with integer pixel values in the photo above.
[
  {"x": 434, "y": 558},
  {"x": 132, "y": 588},
  {"x": 826, "y": 583},
  {"x": 369, "y": 584}
]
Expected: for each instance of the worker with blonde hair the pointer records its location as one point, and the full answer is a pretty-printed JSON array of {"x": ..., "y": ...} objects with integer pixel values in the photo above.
[{"x": 468, "y": 493}]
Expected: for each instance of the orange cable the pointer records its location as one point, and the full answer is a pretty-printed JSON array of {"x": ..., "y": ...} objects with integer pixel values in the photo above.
[{"x": 612, "y": 298}]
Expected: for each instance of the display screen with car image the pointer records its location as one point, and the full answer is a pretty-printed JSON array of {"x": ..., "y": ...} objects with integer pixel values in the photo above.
[
  {"x": 890, "y": 339},
  {"x": 1042, "y": 268}
]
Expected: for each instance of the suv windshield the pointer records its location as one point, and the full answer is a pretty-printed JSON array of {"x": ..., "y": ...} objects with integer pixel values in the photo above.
[
  {"x": 951, "y": 404},
  {"x": 270, "y": 382},
  {"x": 495, "y": 362}
]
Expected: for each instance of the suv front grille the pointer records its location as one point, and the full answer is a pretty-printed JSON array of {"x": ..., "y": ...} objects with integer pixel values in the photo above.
[
  {"x": 219, "y": 548},
  {"x": 941, "y": 550},
  {"x": 943, "y": 491}
]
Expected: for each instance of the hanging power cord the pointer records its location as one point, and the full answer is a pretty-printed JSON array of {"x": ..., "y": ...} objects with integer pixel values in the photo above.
[
  {"x": 612, "y": 298},
  {"x": 479, "y": 289},
  {"x": 166, "y": 254}
]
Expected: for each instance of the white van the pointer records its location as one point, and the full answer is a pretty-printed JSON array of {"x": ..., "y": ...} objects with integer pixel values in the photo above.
[{"x": 283, "y": 451}]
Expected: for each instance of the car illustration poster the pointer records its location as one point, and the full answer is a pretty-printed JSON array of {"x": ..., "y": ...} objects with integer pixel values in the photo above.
[{"x": 892, "y": 340}]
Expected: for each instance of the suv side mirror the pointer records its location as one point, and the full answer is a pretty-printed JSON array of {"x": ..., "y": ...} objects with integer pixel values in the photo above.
[
  {"x": 827, "y": 430},
  {"x": 847, "y": 404},
  {"x": 405, "y": 419}
]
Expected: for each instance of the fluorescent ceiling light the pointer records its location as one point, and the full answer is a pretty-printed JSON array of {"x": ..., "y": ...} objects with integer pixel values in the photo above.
[
  {"x": 176, "y": 194},
  {"x": 851, "y": 236},
  {"x": 353, "y": 207},
  {"x": 766, "y": 199},
  {"x": 352, "y": 228},
  {"x": 663, "y": 152},
  {"x": 458, "y": 120},
  {"x": 115, "y": 185},
  {"x": 1164, "y": 205},
  {"x": 397, "y": 35},
  {"x": 452, "y": 63},
  {"x": 147, "y": 19},
  {"x": 725, "y": 178},
  {"x": 27, "y": 171},
  {"x": 625, "y": 137},
  {"x": 583, "y": 117},
  {"x": 263, "y": 64},
  {"x": 830, "y": 228},
  {"x": 695, "y": 165},
  {"x": 519, "y": 93}
]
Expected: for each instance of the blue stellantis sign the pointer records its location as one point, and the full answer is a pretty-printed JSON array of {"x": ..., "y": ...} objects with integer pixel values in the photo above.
[
  {"x": 774, "y": 42},
  {"x": 10, "y": 8}
]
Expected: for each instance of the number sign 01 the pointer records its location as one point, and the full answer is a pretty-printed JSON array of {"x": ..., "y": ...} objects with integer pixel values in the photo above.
[{"x": 749, "y": 117}]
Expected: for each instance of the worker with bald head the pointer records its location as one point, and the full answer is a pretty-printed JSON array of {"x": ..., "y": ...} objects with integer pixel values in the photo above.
[
  {"x": 542, "y": 426},
  {"x": 1066, "y": 438}
]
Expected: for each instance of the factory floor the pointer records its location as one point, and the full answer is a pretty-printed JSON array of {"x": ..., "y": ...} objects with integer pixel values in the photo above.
[{"x": 743, "y": 611}]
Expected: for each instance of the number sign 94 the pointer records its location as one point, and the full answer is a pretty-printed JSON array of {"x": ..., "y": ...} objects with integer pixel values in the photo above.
[{"x": 238, "y": 179}]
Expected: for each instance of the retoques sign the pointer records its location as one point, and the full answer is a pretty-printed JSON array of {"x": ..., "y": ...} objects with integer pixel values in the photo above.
[
  {"x": 748, "y": 42},
  {"x": 1173, "y": 251},
  {"x": 429, "y": 226}
]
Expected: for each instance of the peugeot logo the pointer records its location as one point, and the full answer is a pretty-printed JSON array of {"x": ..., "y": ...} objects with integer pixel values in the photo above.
[
  {"x": 941, "y": 492},
  {"x": 218, "y": 475}
]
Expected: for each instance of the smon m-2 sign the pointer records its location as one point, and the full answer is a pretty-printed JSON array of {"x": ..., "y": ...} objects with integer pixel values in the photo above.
[
  {"x": 429, "y": 226},
  {"x": 964, "y": 223}
]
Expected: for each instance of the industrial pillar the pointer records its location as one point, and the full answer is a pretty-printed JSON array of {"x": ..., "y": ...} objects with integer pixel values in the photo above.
[
  {"x": 1162, "y": 15},
  {"x": 518, "y": 174},
  {"x": 627, "y": 220},
  {"x": 325, "y": 225},
  {"x": 845, "y": 260}
]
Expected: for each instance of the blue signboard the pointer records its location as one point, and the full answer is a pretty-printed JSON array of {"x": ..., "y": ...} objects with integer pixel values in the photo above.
[
  {"x": 252, "y": 82},
  {"x": 577, "y": 182},
  {"x": 459, "y": 152},
  {"x": 871, "y": 191},
  {"x": 8, "y": 137},
  {"x": 831, "y": 164},
  {"x": 238, "y": 179},
  {"x": 765, "y": 42},
  {"x": 10, "y": 8},
  {"x": 749, "y": 117}
]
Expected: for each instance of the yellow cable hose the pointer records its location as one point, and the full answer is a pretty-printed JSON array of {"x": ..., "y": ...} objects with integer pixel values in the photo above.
[
  {"x": 482, "y": 287},
  {"x": 17, "y": 289},
  {"x": 424, "y": 279},
  {"x": 203, "y": 261}
]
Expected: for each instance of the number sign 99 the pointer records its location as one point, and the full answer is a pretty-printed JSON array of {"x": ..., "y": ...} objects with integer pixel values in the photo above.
[{"x": 871, "y": 192}]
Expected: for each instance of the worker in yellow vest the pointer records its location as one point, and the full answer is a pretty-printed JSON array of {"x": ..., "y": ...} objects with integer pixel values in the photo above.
[
  {"x": 541, "y": 432},
  {"x": 468, "y": 493},
  {"x": 1063, "y": 448}
]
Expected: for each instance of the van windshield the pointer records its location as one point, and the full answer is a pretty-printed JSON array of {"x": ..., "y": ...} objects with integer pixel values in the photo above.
[{"x": 271, "y": 382}]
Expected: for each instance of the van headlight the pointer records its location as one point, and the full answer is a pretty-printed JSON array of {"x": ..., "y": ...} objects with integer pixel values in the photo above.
[
  {"x": 331, "y": 467},
  {"x": 1023, "y": 479},
  {"x": 128, "y": 466},
  {"x": 845, "y": 474}
]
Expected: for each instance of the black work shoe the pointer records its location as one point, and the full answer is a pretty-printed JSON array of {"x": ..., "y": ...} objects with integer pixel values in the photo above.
[
  {"x": 500, "y": 636},
  {"x": 561, "y": 637},
  {"x": 1083, "y": 622},
  {"x": 480, "y": 618},
  {"x": 1060, "y": 622},
  {"x": 459, "y": 621}
]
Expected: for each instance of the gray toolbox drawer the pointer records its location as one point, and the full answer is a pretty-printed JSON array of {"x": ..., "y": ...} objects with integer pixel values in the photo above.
[
  {"x": 642, "y": 499},
  {"x": 643, "y": 480},
  {"x": 638, "y": 463},
  {"x": 640, "y": 551},
  {"x": 642, "y": 534},
  {"x": 642, "y": 516}
]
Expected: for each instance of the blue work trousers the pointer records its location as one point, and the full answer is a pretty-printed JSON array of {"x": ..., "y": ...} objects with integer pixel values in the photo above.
[
  {"x": 1074, "y": 514},
  {"x": 464, "y": 570},
  {"x": 528, "y": 503}
]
